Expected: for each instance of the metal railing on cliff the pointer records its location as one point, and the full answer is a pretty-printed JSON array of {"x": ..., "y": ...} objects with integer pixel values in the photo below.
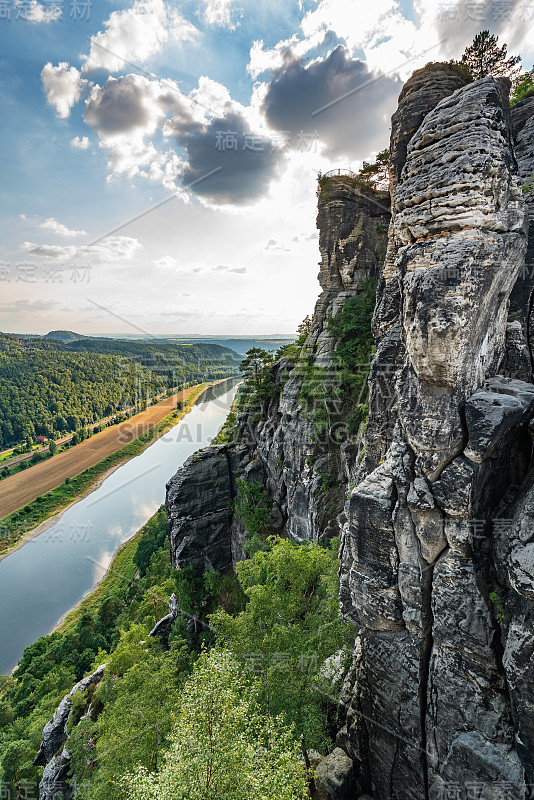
[{"x": 333, "y": 173}]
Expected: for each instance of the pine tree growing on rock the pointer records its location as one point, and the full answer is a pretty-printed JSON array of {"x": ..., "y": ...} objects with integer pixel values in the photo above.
[{"x": 484, "y": 57}]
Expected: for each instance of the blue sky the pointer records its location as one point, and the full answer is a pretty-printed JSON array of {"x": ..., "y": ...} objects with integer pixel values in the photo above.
[{"x": 113, "y": 110}]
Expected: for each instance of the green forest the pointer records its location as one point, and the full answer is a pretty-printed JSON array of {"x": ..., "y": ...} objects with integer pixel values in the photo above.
[
  {"x": 239, "y": 688},
  {"x": 49, "y": 388}
]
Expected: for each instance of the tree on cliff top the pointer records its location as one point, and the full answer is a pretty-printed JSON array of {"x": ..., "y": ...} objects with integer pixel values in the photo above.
[
  {"x": 484, "y": 57},
  {"x": 377, "y": 172}
]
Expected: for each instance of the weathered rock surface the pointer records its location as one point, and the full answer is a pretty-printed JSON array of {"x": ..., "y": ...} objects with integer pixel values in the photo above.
[
  {"x": 54, "y": 783},
  {"x": 54, "y": 733},
  {"x": 523, "y": 129},
  {"x": 335, "y": 775},
  {"x": 437, "y": 550},
  {"x": 430, "y": 703},
  {"x": 305, "y": 474},
  {"x": 52, "y": 754},
  {"x": 163, "y": 626},
  {"x": 199, "y": 499}
]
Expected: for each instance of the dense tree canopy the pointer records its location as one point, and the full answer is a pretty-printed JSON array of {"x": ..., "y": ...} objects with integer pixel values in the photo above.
[{"x": 50, "y": 387}]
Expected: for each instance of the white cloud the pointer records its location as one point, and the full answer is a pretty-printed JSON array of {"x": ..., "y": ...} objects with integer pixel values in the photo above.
[
  {"x": 129, "y": 104},
  {"x": 80, "y": 144},
  {"x": 110, "y": 249},
  {"x": 332, "y": 15},
  {"x": 63, "y": 86},
  {"x": 35, "y": 12},
  {"x": 135, "y": 34},
  {"x": 262, "y": 59},
  {"x": 27, "y": 305},
  {"x": 219, "y": 12},
  {"x": 59, "y": 229},
  {"x": 390, "y": 42},
  {"x": 167, "y": 262},
  {"x": 125, "y": 111}
]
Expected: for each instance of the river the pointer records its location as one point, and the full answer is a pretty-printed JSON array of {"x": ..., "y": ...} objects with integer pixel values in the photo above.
[{"x": 50, "y": 574}]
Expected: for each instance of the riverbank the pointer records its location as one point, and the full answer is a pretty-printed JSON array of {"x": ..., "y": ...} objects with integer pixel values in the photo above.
[
  {"x": 121, "y": 570},
  {"x": 55, "y": 517},
  {"x": 24, "y": 524}
]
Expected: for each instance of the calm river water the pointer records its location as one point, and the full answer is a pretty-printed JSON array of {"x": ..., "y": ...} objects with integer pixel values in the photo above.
[{"x": 50, "y": 574}]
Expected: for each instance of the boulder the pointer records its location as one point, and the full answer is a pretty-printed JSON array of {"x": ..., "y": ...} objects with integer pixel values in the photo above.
[{"x": 335, "y": 775}]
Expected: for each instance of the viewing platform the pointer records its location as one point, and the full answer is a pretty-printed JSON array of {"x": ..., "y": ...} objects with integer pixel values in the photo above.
[{"x": 334, "y": 173}]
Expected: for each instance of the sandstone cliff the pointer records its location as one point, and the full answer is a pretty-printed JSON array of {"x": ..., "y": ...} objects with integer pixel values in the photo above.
[
  {"x": 430, "y": 701},
  {"x": 306, "y": 473},
  {"x": 437, "y": 564}
]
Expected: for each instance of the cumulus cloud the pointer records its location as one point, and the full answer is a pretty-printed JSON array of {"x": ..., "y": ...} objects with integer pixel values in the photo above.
[
  {"x": 63, "y": 86},
  {"x": 35, "y": 12},
  {"x": 339, "y": 97},
  {"x": 59, "y": 229},
  {"x": 110, "y": 249},
  {"x": 125, "y": 111},
  {"x": 243, "y": 172},
  {"x": 223, "y": 268},
  {"x": 126, "y": 104},
  {"x": 135, "y": 34},
  {"x": 80, "y": 144},
  {"x": 220, "y": 13},
  {"x": 285, "y": 51},
  {"x": 332, "y": 15},
  {"x": 210, "y": 132}
]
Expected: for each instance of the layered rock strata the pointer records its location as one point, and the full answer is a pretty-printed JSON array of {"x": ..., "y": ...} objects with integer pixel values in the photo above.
[
  {"x": 429, "y": 704},
  {"x": 520, "y": 301}
]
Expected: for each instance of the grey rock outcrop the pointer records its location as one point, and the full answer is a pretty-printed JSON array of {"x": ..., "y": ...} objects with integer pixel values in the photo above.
[
  {"x": 522, "y": 115},
  {"x": 52, "y": 753},
  {"x": 54, "y": 732},
  {"x": 436, "y": 501},
  {"x": 54, "y": 783},
  {"x": 163, "y": 626},
  {"x": 430, "y": 704},
  {"x": 202, "y": 531},
  {"x": 335, "y": 775},
  {"x": 305, "y": 474}
]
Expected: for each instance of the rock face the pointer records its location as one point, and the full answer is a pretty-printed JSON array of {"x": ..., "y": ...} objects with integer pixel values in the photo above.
[
  {"x": 430, "y": 704},
  {"x": 335, "y": 775},
  {"x": 305, "y": 474},
  {"x": 52, "y": 755},
  {"x": 163, "y": 626},
  {"x": 523, "y": 129}
]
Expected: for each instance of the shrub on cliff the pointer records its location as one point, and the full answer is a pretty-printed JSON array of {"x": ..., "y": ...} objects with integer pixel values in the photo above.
[
  {"x": 355, "y": 348},
  {"x": 258, "y": 383},
  {"x": 524, "y": 88}
]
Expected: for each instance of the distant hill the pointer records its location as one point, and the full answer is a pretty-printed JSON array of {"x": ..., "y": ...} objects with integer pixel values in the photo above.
[
  {"x": 64, "y": 336},
  {"x": 241, "y": 345}
]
